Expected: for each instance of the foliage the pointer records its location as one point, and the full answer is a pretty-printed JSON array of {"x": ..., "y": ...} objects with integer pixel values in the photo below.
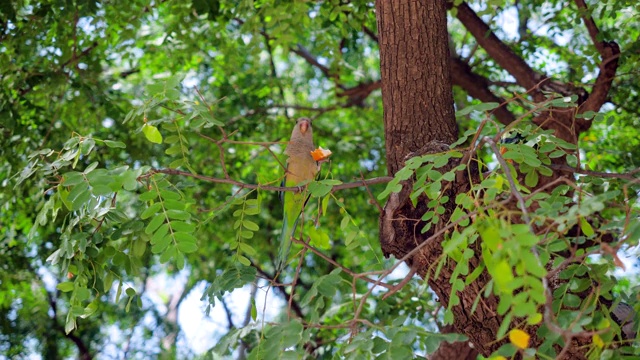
[
  {"x": 142, "y": 141},
  {"x": 515, "y": 254}
]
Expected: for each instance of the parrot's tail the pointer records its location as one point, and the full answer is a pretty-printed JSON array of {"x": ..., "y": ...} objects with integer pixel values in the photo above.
[{"x": 285, "y": 244}]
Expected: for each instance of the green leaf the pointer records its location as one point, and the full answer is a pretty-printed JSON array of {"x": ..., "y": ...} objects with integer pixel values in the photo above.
[
  {"x": 82, "y": 294},
  {"x": 114, "y": 144},
  {"x": 119, "y": 291},
  {"x": 174, "y": 204},
  {"x": 250, "y": 225},
  {"x": 178, "y": 214},
  {"x": 162, "y": 231},
  {"x": 150, "y": 211},
  {"x": 169, "y": 254},
  {"x": 317, "y": 189},
  {"x": 319, "y": 238},
  {"x": 129, "y": 180},
  {"x": 65, "y": 286},
  {"x": 152, "y": 134},
  {"x": 184, "y": 237},
  {"x": 254, "y": 309},
  {"x": 70, "y": 324},
  {"x": 503, "y": 275},
  {"x": 72, "y": 178},
  {"x": 391, "y": 187},
  {"x": 176, "y": 149},
  {"x": 178, "y": 163},
  {"x": 161, "y": 244},
  {"x": 183, "y": 226},
  {"x": 247, "y": 249},
  {"x": 148, "y": 196},
  {"x": 531, "y": 179},
  {"x": 169, "y": 195},
  {"x": 246, "y": 234},
  {"x": 80, "y": 200},
  {"x": 101, "y": 190},
  {"x": 78, "y": 191},
  {"x": 173, "y": 81},
  {"x": 478, "y": 107},
  {"x": 154, "y": 224},
  {"x": 244, "y": 261},
  {"x": 506, "y": 321},
  {"x": 172, "y": 139},
  {"x": 87, "y": 145},
  {"x": 586, "y": 227},
  {"x": 90, "y": 309}
]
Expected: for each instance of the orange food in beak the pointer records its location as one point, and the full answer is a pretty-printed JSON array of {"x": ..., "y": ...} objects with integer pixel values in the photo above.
[{"x": 320, "y": 154}]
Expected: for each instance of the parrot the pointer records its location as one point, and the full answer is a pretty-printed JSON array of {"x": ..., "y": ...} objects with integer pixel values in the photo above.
[{"x": 301, "y": 168}]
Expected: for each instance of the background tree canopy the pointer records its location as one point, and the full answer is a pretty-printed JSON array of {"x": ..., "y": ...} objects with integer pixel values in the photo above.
[{"x": 143, "y": 145}]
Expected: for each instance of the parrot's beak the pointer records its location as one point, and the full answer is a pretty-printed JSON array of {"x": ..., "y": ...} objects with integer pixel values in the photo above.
[{"x": 304, "y": 126}]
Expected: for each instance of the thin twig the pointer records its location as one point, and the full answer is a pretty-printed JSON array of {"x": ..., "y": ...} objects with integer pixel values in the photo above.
[
  {"x": 401, "y": 284},
  {"x": 512, "y": 184},
  {"x": 336, "y": 264},
  {"x": 373, "y": 199},
  {"x": 355, "y": 184},
  {"x": 625, "y": 176}
]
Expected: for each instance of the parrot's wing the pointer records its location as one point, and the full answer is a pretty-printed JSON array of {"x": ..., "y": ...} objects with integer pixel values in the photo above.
[
  {"x": 283, "y": 183},
  {"x": 289, "y": 225}
]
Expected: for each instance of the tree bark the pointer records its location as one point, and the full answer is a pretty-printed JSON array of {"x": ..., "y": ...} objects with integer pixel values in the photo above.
[
  {"x": 419, "y": 118},
  {"x": 416, "y": 78}
]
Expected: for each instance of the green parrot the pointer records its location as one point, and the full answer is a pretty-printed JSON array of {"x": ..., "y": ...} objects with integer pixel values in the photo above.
[{"x": 301, "y": 168}]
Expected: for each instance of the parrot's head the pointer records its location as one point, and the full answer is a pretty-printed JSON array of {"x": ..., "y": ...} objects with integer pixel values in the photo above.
[{"x": 302, "y": 129}]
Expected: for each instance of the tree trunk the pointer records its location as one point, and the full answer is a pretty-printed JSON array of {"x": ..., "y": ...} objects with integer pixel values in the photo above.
[
  {"x": 416, "y": 78},
  {"x": 419, "y": 118}
]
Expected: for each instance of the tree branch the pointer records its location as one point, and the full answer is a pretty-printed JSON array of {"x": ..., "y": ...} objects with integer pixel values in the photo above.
[
  {"x": 274, "y": 73},
  {"x": 370, "y": 33},
  {"x": 592, "y": 28},
  {"x": 478, "y": 87},
  {"x": 624, "y": 176},
  {"x": 230, "y": 324},
  {"x": 500, "y": 52},
  {"x": 360, "y": 92},
  {"x": 83, "y": 349},
  {"x": 344, "y": 269},
  {"x": 355, "y": 184},
  {"x": 610, "y": 52},
  {"x": 305, "y": 54},
  {"x": 281, "y": 288}
]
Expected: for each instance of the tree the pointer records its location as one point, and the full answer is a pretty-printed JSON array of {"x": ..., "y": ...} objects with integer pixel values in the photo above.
[
  {"x": 399, "y": 234},
  {"x": 143, "y": 141}
]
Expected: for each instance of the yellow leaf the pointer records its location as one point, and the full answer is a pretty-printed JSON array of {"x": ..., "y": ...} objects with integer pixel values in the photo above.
[
  {"x": 498, "y": 357},
  {"x": 597, "y": 340},
  {"x": 519, "y": 338}
]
